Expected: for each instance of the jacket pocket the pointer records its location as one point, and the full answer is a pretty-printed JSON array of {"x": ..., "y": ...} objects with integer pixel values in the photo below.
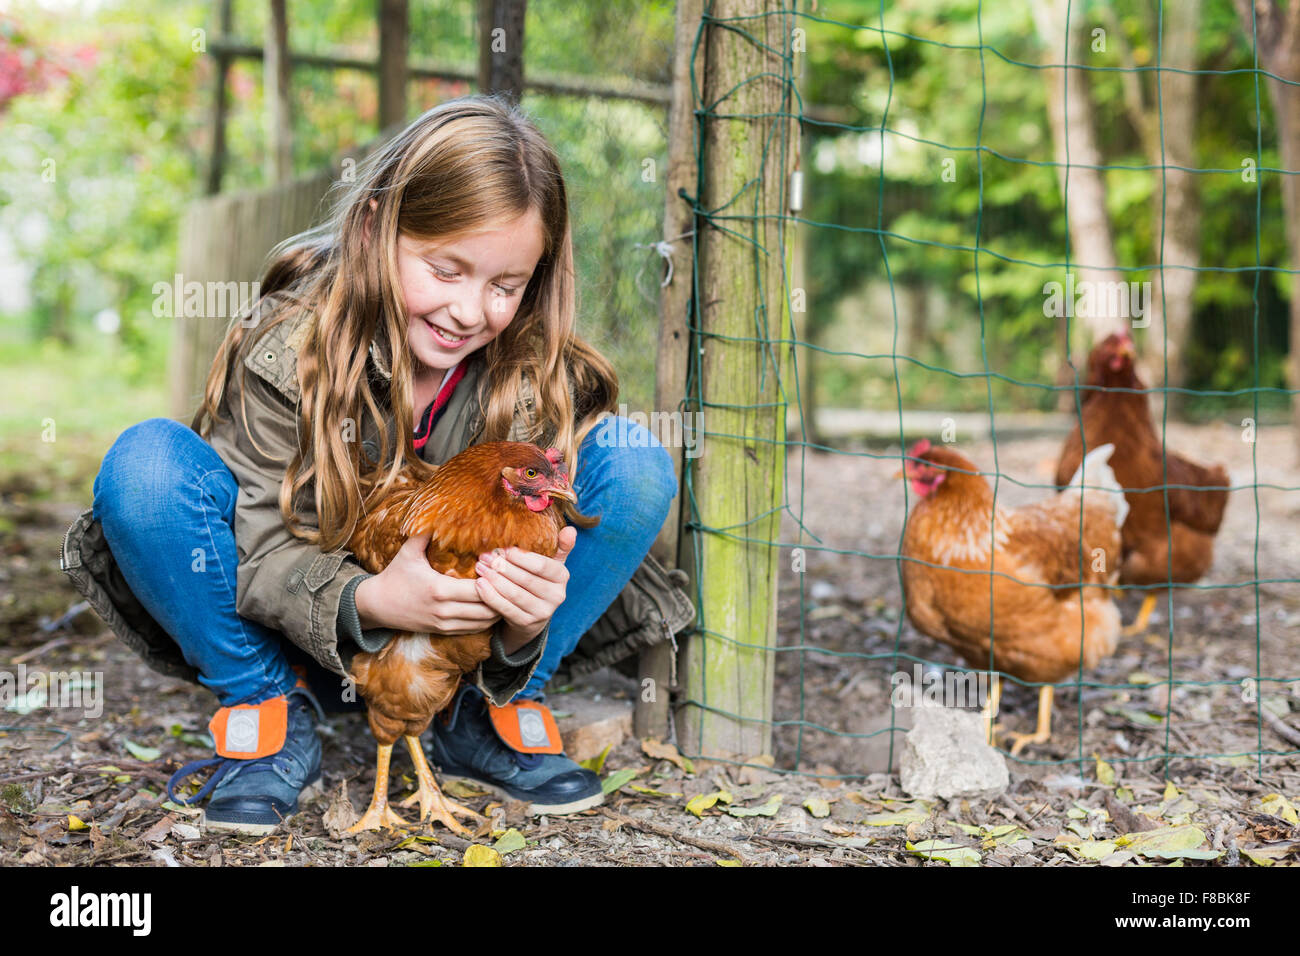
[
  {"x": 652, "y": 608},
  {"x": 323, "y": 569},
  {"x": 84, "y": 556}
]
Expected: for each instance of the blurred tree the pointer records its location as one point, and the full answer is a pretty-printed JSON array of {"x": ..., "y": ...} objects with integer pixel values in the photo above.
[{"x": 1276, "y": 35}]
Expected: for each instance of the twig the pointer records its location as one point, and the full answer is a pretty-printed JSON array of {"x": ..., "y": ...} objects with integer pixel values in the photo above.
[
  {"x": 40, "y": 649},
  {"x": 1280, "y": 727},
  {"x": 97, "y": 861},
  {"x": 645, "y": 826},
  {"x": 145, "y": 771},
  {"x": 814, "y": 843}
]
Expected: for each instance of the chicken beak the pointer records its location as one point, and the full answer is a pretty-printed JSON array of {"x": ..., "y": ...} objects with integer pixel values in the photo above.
[
  {"x": 899, "y": 473},
  {"x": 564, "y": 492}
]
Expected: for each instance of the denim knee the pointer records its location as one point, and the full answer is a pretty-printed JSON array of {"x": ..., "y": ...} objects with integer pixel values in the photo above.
[
  {"x": 151, "y": 463},
  {"x": 633, "y": 470}
]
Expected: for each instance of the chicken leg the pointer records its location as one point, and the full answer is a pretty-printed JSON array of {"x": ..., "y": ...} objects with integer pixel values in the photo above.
[
  {"x": 379, "y": 814},
  {"x": 433, "y": 805},
  {"x": 990, "y": 709},
  {"x": 1044, "y": 730},
  {"x": 1139, "y": 624}
]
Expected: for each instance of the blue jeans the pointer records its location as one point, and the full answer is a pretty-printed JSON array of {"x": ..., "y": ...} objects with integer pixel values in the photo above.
[{"x": 166, "y": 502}]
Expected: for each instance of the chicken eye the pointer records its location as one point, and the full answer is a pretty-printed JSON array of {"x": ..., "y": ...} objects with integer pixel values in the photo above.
[{"x": 530, "y": 473}]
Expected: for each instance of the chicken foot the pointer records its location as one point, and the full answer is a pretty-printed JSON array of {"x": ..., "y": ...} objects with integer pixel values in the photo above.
[
  {"x": 433, "y": 805},
  {"x": 1139, "y": 625},
  {"x": 379, "y": 814},
  {"x": 1043, "y": 732}
]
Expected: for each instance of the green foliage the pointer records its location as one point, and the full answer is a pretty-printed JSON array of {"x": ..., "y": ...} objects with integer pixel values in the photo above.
[
  {"x": 964, "y": 162},
  {"x": 936, "y": 197}
]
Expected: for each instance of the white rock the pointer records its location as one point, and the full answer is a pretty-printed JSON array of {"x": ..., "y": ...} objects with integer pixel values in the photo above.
[{"x": 945, "y": 755}]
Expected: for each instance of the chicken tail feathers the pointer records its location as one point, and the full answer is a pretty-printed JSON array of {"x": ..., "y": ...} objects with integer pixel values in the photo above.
[{"x": 1096, "y": 466}]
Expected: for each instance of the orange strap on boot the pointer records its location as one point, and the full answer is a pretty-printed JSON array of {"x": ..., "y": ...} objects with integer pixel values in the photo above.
[
  {"x": 527, "y": 726},
  {"x": 250, "y": 731}
]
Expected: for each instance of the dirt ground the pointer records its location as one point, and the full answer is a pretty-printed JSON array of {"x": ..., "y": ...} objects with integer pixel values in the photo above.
[{"x": 90, "y": 790}]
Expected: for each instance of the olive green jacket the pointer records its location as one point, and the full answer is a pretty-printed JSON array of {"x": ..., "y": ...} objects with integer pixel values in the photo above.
[{"x": 305, "y": 593}]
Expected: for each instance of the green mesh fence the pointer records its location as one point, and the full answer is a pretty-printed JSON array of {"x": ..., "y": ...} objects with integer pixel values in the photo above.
[{"x": 798, "y": 734}]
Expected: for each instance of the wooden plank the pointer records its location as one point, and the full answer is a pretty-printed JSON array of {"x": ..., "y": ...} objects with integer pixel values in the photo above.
[
  {"x": 656, "y": 663},
  {"x": 394, "y": 35},
  {"x": 559, "y": 84},
  {"x": 738, "y": 478},
  {"x": 226, "y": 238}
]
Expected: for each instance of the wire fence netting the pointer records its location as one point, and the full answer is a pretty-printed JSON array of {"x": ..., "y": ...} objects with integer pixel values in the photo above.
[{"x": 932, "y": 260}]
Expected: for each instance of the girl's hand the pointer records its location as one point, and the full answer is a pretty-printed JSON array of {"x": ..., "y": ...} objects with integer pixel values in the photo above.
[
  {"x": 524, "y": 587},
  {"x": 411, "y": 596}
]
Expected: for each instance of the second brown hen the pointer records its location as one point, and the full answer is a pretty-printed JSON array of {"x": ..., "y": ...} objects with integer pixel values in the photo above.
[{"x": 1116, "y": 411}]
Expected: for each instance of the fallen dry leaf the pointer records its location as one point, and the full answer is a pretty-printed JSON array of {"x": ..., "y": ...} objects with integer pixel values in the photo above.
[
  {"x": 660, "y": 751},
  {"x": 341, "y": 814}
]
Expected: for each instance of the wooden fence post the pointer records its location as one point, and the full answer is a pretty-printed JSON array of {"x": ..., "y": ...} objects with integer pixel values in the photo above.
[
  {"x": 656, "y": 664},
  {"x": 394, "y": 43},
  {"x": 749, "y": 144},
  {"x": 277, "y": 74},
  {"x": 501, "y": 56}
]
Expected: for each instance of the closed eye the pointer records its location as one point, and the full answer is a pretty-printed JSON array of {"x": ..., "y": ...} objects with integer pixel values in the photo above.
[{"x": 503, "y": 291}]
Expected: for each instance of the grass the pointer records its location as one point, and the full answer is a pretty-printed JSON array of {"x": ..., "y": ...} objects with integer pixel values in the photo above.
[{"x": 64, "y": 406}]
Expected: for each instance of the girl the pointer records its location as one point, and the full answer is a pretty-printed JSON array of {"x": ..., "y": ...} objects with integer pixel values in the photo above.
[{"x": 439, "y": 297}]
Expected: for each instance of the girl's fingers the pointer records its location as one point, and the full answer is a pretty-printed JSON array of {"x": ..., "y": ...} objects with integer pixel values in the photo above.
[
  {"x": 463, "y": 628},
  {"x": 547, "y": 589},
  {"x": 512, "y": 602},
  {"x": 538, "y": 565},
  {"x": 523, "y": 565},
  {"x": 455, "y": 589},
  {"x": 475, "y": 612},
  {"x": 568, "y": 538}
]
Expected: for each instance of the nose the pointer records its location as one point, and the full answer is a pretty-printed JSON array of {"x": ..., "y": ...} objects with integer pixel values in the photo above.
[{"x": 466, "y": 309}]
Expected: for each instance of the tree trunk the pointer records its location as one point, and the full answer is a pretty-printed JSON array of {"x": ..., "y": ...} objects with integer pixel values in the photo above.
[
  {"x": 1277, "y": 37},
  {"x": 1286, "y": 104},
  {"x": 1069, "y": 111},
  {"x": 1075, "y": 141},
  {"x": 1178, "y": 217}
]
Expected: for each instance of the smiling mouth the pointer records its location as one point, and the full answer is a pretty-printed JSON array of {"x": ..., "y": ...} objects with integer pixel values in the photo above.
[{"x": 444, "y": 337}]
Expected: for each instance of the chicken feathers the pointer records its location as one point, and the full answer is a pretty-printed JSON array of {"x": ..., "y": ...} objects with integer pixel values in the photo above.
[{"x": 493, "y": 495}]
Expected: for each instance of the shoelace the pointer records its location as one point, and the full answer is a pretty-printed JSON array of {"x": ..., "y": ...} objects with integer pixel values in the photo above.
[{"x": 225, "y": 764}]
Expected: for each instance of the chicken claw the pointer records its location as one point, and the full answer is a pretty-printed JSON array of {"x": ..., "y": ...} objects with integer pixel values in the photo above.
[
  {"x": 376, "y": 818},
  {"x": 434, "y": 807},
  {"x": 1043, "y": 732},
  {"x": 379, "y": 814}
]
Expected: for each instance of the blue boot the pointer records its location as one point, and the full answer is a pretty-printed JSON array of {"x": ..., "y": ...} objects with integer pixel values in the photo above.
[
  {"x": 466, "y": 746},
  {"x": 254, "y": 796}
]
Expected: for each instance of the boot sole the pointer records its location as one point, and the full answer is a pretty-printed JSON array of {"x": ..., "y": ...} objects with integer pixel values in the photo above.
[
  {"x": 535, "y": 809},
  {"x": 308, "y": 793}
]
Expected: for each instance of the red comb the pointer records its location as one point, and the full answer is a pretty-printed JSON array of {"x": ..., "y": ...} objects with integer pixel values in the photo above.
[{"x": 920, "y": 448}]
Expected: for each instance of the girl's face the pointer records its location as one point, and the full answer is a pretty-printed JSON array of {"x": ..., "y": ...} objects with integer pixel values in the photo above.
[{"x": 461, "y": 294}]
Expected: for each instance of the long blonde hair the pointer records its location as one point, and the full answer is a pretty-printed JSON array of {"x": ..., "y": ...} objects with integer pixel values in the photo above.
[{"x": 462, "y": 166}]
